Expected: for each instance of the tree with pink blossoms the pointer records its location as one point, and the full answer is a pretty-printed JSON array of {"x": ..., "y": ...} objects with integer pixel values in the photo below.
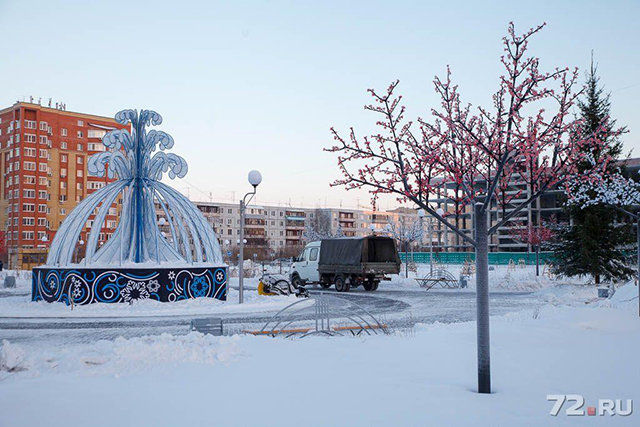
[
  {"x": 469, "y": 155},
  {"x": 535, "y": 236}
]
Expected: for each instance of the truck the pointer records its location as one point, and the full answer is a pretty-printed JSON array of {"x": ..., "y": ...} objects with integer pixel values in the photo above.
[{"x": 346, "y": 263}]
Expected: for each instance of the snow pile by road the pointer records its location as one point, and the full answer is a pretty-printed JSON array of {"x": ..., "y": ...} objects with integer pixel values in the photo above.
[
  {"x": 501, "y": 278},
  {"x": 22, "y": 306},
  {"x": 12, "y": 357},
  {"x": 426, "y": 377},
  {"x": 625, "y": 297},
  {"x": 23, "y": 282},
  {"x": 120, "y": 357}
]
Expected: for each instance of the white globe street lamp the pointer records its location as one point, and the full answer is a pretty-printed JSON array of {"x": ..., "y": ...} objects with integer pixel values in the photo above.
[{"x": 254, "y": 178}]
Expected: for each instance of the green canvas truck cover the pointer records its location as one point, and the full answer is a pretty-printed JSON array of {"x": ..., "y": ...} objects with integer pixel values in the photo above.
[{"x": 355, "y": 251}]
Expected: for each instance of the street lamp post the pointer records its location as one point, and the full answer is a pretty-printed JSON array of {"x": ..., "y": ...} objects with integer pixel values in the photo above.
[{"x": 254, "y": 179}]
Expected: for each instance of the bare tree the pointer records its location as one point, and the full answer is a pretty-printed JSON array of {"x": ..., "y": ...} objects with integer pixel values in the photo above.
[
  {"x": 406, "y": 232},
  {"x": 320, "y": 227}
]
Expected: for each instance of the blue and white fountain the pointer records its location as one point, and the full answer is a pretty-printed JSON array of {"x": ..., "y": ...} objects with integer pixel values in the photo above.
[{"x": 138, "y": 261}]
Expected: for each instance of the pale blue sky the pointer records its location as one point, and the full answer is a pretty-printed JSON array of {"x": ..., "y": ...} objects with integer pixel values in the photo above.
[{"x": 245, "y": 85}]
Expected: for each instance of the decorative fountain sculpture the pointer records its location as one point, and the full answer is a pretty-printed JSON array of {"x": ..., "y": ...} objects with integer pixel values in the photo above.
[{"x": 138, "y": 261}]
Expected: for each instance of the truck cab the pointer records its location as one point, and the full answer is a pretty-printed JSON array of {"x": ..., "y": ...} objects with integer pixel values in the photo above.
[{"x": 305, "y": 267}]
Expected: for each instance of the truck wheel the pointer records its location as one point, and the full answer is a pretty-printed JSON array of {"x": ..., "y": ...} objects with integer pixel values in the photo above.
[
  {"x": 369, "y": 285},
  {"x": 375, "y": 285},
  {"x": 325, "y": 281},
  {"x": 341, "y": 284},
  {"x": 296, "y": 281}
]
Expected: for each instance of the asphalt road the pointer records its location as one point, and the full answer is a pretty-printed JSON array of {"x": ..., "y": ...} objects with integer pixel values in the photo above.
[{"x": 396, "y": 308}]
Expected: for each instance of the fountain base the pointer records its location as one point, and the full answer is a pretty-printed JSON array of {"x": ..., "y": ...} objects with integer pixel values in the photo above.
[{"x": 86, "y": 285}]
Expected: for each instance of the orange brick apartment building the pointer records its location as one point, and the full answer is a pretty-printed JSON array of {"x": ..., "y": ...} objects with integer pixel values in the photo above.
[{"x": 43, "y": 162}]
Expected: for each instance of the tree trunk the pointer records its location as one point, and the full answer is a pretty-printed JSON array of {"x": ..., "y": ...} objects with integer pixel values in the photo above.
[
  {"x": 597, "y": 279},
  {"x": 537, "y": 260},
  {"x": 482, "y": 299},
  {"x": 406, "y": 261}
]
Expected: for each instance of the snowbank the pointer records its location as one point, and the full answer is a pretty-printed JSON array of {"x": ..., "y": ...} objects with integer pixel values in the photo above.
[
  {"x": 22, "y": 306},
  {"x": 12, "y": 357},
  {"x": 501, "y": 278},
  {"x": 23, "y": 282}
]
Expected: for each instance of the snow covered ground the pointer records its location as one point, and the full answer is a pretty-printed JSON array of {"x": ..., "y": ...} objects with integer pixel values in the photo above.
[
  {"x": 568, "y": 343},
  {"x": 421, "y": 377}
]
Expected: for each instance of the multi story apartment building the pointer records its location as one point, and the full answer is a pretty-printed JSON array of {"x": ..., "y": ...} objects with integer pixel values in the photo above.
[
  {"x": 282, "y": 229},
  {"x": 43, "y": 164}
]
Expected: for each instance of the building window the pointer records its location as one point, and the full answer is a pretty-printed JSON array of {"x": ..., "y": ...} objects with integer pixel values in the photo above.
[
  {"x": 30, "y": 152},
  {"x": 63, "y": 198},
  {"x": 43, "y": 139},
  {"x": 79, "y": 147},
  {"x": 42, "y": 222},
  {"x": 43, "y": 181},
  {"x": 28, "y": 207},
  {"x": 80, "y": 134},
  {"x": 28, "y": 220},
  {"x": 27, "y": 235},
  {"x": 42, "y": 167},
  {"x": 44, "y": 126},
  {"x": 95, "y": 146},
  {"x": 63, "y": 172},
  {"x": 42, "y": 194},
  {"x": 43, "y": 154},
  {"x": 63, "y": 145},
  {"x": 29, "y": 124},
  {"x": 95, "y": 185},
  {"x": 63, "y": 132},
  {"x": 29, "y": 137},
  {"x": 29, "y": 166},
  {"x": 80, "y": 123},
  {"x": 29, "y": 194},
  {"x": 63, "y": 185},
  {"x": 63, "y": 158},
  {"x": 79, "y": 173},
  {"x": 42, "y": 208},
  {"x": 96, "y": 133},
  {"x": 29, "y": 179},
  {"x": 79, "y": 160}
]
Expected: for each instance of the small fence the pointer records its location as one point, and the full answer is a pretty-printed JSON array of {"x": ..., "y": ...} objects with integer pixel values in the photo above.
[{"x": 495, "y": 258}]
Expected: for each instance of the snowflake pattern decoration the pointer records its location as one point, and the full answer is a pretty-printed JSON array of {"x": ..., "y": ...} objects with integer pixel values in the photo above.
[{"x": 137, "y": 161}]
